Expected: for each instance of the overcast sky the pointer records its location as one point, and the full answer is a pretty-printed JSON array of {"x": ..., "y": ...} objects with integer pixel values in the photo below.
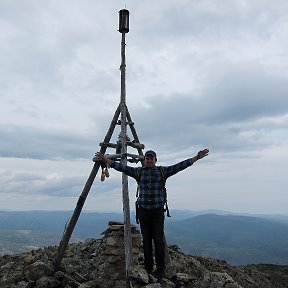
[{"x": 200, "y": 74}]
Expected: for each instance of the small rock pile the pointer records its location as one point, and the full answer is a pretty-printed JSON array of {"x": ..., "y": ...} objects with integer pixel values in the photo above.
[
  {"x": 111, "y": 255},
  {"x": 101, "y": 264}
]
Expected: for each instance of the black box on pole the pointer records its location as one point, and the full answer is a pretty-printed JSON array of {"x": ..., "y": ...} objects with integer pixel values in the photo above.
[{"x": 123, "y": 21}]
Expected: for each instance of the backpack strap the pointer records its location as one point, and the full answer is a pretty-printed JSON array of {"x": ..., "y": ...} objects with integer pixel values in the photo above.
[
  {"x": 164, "y": 190},
  {"x": 138, "y": 175}
]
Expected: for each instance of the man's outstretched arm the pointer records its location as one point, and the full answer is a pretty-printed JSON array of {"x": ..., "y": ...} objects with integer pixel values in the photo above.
[{"x": 173, "y": 169}]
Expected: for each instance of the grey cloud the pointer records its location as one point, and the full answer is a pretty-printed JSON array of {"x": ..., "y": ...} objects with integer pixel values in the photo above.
[
  {"x": 59, "y": 186},
  {"x": 33, "y": 184},
  {"x": 68, "y": 186},
  {"x": 35, "y": 143},
  {"x": 244, "y": 95},
  {"x": 44, "y": 51},
  {"x": 214, "y": 20},
  {"x": 8, "y": 176},
  {"x": 225, "y": 115}
]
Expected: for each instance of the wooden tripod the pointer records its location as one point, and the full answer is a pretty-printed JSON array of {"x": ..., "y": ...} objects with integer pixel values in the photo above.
[{"x": 123, "y": 118}]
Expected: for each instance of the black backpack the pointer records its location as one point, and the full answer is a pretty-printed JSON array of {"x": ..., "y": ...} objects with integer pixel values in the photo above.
[{"x": 163, "y": 188}]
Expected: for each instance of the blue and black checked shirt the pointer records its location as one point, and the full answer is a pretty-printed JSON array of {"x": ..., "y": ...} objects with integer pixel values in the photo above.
[{"x": 150, "y": 186}]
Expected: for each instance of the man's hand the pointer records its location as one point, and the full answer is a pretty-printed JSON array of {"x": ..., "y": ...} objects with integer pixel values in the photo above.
[
  {"x": 203, "y": 153},
  {"x": 101, "y": 157}
]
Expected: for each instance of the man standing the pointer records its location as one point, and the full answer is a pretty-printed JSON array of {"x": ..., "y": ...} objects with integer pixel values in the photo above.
[{"x": 151, "y": 202}]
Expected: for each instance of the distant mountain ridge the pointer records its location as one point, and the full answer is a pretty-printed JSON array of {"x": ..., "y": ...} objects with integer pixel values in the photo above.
[
  {"x": 20, "y": 241},
  {"x": 89, "y": 224},
  {"x": 235, "y": 238}
]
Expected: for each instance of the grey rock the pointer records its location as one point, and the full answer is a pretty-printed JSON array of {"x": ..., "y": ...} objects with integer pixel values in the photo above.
[
  {"x": 165, "y": 283},
  {"x": 217, "y": 280},
  {"x": 154, "y": 285},
  {"x": 90, "y": 284},
  {"x": 24, "y": 284},
  {"x": 139, "y": 275},
  {"x": 47, "y": 282},
  {"x": 37, "y": 270},
  {"x": 181, "y": 277}
]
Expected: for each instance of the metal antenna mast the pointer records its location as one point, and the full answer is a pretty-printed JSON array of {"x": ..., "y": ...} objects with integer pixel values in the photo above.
[{"x": 121, "y": 155}]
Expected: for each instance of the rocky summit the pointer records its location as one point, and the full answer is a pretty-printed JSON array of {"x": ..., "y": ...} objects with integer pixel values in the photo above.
[{"x": 100, "y": 263}]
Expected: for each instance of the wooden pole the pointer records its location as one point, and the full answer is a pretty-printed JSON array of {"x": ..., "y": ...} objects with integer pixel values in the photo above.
[
  {"x": 82, "y": 198},
  {"x": 123, "y": 136}
]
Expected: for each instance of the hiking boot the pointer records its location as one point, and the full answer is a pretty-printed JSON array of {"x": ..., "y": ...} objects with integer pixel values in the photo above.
[
  {"x": 158, "y": 273},
  {"x": 149, "y": 270}
]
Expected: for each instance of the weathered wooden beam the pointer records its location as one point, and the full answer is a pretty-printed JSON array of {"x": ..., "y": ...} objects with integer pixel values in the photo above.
[
  {"x": 119, "y": 156},
  {"x": 135, "y": 145},
  {"x": 135, "y": 156},
  {"x": 129, "y": 143},
  {"x": 114, "y": 156},
  {"x": 82, "y": 198},
  {"x": 134, "y": 133},
  {"x": 110, "y": 145}
]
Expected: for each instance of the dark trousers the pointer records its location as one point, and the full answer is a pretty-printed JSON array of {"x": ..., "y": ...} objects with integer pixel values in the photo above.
[{"x": 152, "y": 229}]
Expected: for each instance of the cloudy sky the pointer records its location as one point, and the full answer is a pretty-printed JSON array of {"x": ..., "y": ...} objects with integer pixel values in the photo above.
[{"x": 200, "y": 74}]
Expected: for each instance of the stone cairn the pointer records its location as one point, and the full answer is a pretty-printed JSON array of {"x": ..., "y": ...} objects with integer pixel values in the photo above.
[{"x": 113, "y": 253}]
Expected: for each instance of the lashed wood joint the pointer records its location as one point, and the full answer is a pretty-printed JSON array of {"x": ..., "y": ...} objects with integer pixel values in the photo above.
[{"x": 129, "y": 143}]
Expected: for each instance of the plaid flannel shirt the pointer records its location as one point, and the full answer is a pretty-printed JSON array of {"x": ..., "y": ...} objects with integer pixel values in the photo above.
[{"x": 150, "y": 186}]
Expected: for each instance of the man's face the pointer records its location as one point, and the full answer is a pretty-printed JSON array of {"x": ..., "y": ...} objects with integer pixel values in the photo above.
[{"x": 149, "y": 161}]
